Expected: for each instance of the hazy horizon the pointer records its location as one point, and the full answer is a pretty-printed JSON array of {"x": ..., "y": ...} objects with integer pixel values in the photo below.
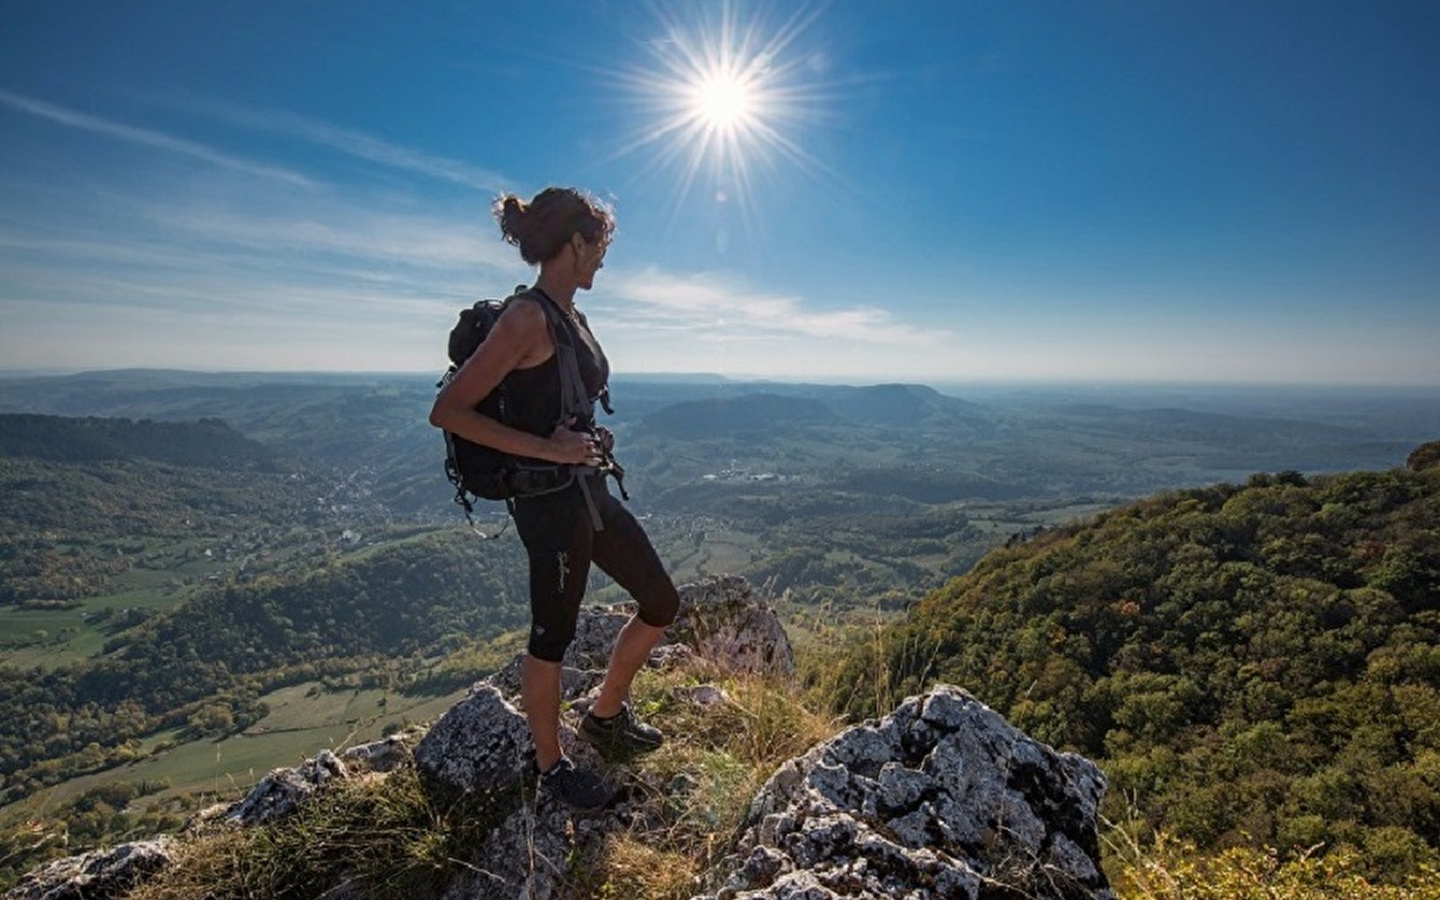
[{"x": 942, "y": 386}]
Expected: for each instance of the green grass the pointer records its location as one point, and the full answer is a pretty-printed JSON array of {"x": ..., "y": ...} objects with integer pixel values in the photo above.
[{"x": 302, "y": 707}]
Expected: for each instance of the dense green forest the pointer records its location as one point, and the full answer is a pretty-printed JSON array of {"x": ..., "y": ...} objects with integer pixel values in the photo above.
[
  {"x": 1249, "y": 664},
  {"x": 75, "y": 530}
]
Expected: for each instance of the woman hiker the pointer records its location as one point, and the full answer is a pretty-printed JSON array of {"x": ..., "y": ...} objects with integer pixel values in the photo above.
[{"x": 565, "y": 233}]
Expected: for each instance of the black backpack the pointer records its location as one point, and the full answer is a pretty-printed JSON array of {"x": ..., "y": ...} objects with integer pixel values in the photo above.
[{"x": 489, "y": 474}]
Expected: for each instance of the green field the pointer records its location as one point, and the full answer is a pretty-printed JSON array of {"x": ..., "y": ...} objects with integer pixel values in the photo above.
[
  {"x": 57, "y": 637},
  {"x": 304, "y": 719}
]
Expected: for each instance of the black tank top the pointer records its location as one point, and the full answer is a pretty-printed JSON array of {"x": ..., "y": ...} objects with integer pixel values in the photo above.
[{"x": 532, "y": 395}]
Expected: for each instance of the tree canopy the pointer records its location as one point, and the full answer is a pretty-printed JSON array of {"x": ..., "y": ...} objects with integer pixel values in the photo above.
[{"x": 1249, "y": 663}]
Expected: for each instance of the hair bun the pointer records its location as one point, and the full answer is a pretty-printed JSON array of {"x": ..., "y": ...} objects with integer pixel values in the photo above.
[{"x": 513, "y": 214}]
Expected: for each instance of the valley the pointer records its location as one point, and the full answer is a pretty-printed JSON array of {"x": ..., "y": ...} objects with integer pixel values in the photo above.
[{"x": 203, "y": 576}]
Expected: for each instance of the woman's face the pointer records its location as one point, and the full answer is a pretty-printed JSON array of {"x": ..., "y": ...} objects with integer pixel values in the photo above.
[{"x": 589, "y": 259}]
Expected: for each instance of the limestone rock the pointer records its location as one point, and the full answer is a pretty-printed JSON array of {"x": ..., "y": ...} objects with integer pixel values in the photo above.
[
  {"x": 529, "y": 855},
  {"x": 935, "y": 801},
  {"x": 481, "y": 743},
  {"x": 97, "y": 875},
  {"x": 383, "y": 755},
  {"x": 279, "y": 792},
  {"x": 595, "y": 634},
  {"x": 574, "y": 682}
]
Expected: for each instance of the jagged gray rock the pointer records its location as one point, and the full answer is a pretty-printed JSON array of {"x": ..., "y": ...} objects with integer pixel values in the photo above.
[
  {"x": 481, "y": 743},
  {"x": 383, "y": 755},
  {"x": 279, "y": 792},
  {"x": 529, "y": 855},
  {"x": 97, "y": 875},
  {"x": 937, "y": 800}
]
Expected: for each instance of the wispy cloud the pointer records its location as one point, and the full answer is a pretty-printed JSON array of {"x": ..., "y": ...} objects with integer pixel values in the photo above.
[
  {"x": 353, "y": 231},
  {"x": 718, "y": 303},
  {"x": 271, "y": 262},
  {"x": 348, "y": 141},
  {"x": 146, "y": 137}
]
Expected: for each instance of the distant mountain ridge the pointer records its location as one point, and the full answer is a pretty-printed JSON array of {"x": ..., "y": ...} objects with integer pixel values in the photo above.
[
  {"x": 779, "y": 407},
  {"x": 903, "y": 404},
  {"x": 716, "y": 418},
  {"x": 205, "y": 443}
]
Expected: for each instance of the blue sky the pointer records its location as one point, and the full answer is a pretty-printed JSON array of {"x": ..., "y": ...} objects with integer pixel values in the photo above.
[{"x": 929, "y": 191}]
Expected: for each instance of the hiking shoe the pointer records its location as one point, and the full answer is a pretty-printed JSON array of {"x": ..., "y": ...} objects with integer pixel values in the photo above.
[
  {"x": 577, "y": 788},
  {"x": 621, "y": 736}
]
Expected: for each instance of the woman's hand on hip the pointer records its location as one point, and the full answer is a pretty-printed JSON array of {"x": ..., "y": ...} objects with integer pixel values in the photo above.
[{"x": 574, "y": 447}]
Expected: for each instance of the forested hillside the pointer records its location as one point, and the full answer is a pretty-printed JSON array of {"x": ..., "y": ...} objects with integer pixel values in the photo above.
[
  {"x": 207, "y": 442},
  {"x": 1256, "y": 663}
]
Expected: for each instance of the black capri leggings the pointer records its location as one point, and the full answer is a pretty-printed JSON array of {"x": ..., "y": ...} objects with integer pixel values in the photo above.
[{"x": 561, "y": 542}]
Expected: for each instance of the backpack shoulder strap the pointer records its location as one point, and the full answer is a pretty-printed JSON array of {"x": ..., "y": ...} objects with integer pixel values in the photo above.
[
  {"x": 574, "y": 401},
  {"x": 604, "y": 396}
]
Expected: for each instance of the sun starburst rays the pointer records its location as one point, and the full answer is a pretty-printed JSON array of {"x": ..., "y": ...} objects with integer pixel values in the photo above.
[{"x": 719, "y": 98}]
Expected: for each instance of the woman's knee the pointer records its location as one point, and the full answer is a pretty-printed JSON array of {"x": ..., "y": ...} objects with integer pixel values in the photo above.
[
  {"x": 659, "y": 604},
  {"x": 549, "y": 642}
]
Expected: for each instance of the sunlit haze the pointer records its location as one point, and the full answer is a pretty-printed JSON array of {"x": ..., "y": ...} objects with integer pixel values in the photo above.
[{"x": 926, "y": 191}]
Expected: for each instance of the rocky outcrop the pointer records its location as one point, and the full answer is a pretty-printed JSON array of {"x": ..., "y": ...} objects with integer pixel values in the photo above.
[
  {"x": 941, "y": 799},
  {"x": 481, "y": 744},
  {"x": 383, "y": 755},
  {"x": 95, "y": 876}
]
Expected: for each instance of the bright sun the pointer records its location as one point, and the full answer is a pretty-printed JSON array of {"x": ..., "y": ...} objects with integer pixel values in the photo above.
[
  {"x": 724, "y": 100},
  {"x": 722, "y": 96}
]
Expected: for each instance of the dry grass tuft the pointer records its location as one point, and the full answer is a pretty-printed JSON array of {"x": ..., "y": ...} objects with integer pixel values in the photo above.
[
  {"x": 377, "y": 839},
  {"x": 1168, "y": 869},
  {"x": 695, "y": 791},
  {"x": 634, "y": 870}
]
